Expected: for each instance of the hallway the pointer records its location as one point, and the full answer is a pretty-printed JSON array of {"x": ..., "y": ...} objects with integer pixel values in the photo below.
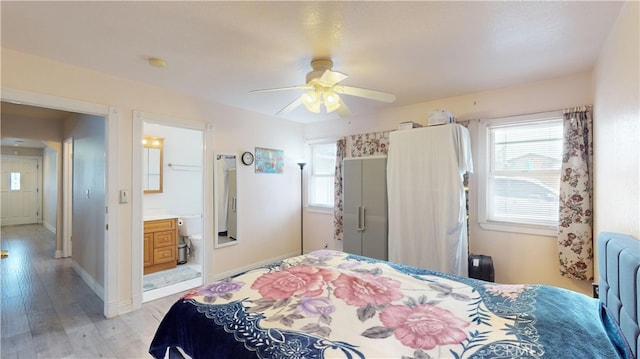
[{"x": 49, "y": 312}]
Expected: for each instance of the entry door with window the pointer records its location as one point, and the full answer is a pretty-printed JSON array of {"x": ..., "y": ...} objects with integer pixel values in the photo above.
[{"x": 19, "y": 190}]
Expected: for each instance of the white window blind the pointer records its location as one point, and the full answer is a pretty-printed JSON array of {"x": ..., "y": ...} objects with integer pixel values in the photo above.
[
  {"x": 523, "y": 172},
  {"x": 321, "y": 179}
]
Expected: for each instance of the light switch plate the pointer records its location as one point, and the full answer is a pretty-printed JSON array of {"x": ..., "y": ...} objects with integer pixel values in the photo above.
[{"x": 124, "y": 196}]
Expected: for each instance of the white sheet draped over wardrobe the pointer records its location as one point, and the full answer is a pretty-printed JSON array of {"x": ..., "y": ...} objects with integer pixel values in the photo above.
[{"x": 427, "y": 210}]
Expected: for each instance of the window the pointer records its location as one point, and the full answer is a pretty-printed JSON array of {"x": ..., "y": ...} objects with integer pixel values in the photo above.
[
  {"x": 322, "y": 172},
  {"x": 15, "y": 181},
  {"x": 520, "y": 176}
]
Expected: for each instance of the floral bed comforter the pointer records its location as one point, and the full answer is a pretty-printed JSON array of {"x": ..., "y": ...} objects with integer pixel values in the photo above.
[{"x": 330, "y": 304}]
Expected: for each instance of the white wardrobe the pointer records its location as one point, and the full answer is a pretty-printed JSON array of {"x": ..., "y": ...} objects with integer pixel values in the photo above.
[
  {"x": 365, "y": 207},
  {"x": 427, "y": 209}
]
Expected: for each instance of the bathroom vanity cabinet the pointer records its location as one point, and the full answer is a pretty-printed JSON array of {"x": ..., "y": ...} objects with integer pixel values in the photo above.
[{"x": 160, "y": 244}]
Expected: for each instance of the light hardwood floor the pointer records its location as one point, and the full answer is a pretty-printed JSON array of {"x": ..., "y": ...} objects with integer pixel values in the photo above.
[{"x": 49, "y": 312}]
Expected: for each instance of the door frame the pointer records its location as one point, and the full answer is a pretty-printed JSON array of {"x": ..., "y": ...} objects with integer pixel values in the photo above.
[
  {"x": 67, "y": 196},
  {"x": 137, "y": 215},
  {"x": 111, "y": 116}
]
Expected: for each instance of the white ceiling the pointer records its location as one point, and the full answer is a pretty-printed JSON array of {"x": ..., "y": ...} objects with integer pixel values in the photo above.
[
  {"x": 18, "y": 112},
  {"x": 219, "y": 51}
]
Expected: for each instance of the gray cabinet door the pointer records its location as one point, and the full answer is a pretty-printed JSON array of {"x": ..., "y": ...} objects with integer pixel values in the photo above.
[
  {"x": 352, "y": 201},
  {"x": 365, "y": 207}
]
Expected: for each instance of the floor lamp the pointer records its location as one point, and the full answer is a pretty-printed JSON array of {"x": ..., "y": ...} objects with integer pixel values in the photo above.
[{"x": 301, "y": 164}]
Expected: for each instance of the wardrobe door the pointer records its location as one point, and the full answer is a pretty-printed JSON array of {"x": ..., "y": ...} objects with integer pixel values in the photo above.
[
  {"x": 374, "y": 208},
  {"x": 352, "y": 202}
]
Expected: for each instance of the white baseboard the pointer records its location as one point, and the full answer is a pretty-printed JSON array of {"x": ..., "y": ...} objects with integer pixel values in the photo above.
[
  {"x": 95, "y": 287},
  {"x": 48, "y": 226},
  {"x": 58, "y": 254},
  {"x": 124, "y": 306}
]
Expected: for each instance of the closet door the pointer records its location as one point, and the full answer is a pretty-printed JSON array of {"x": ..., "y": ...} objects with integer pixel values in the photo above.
[
  {"x": 374, "y": 204},
  {"x": 352, "y": 201},
  {"x": 365, "y": 207}
]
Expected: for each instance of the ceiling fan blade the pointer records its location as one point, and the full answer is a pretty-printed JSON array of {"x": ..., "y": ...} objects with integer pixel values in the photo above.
[
  {"x": 330, "y": 78},
  {"x": 297, "y": 102},
  {"x": 297, "y": 87},
  {"x": 366, "y": 93},
  {"x": 343, "y": 110}
]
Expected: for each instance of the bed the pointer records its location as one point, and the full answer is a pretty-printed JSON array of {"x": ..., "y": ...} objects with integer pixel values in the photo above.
[{"x": 329, "y": 304}]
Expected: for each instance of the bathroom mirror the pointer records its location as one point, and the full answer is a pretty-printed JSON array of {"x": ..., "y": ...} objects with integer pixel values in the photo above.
[
  {"x": 152, "y": 164},
  {"x": 226, "y": 199}
]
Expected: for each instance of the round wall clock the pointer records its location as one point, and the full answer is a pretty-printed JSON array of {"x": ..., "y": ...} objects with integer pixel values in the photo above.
[{"x": 247, "y": 158}]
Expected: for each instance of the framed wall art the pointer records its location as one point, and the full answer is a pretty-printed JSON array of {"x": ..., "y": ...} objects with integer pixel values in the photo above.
[{"x": 269, "y": 160}]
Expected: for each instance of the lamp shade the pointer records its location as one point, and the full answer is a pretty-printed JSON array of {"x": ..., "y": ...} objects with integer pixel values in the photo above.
[
  {"x": 331, "y": 100},
  {"x": 312, "y": 101}
]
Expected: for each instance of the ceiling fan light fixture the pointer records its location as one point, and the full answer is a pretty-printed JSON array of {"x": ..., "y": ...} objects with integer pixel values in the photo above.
[
  {"x": 331, "y": 100},
  {"x": 323, "y": 88},
  {"x": 312, "y": 101}
]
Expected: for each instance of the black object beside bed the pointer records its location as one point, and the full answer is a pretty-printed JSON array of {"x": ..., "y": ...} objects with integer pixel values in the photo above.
[{"x": 329, "y": 304}]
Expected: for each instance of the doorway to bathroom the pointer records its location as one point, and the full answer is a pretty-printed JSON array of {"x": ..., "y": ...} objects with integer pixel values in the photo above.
[{"x": 172, "y": 172}]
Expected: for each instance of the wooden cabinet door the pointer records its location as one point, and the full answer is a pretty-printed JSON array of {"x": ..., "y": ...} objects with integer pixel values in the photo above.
[
  {"x": 160, "y": 245},
  {"x": 148, "y": 249}
]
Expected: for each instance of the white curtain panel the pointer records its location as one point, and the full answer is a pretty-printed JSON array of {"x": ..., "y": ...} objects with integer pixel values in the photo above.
[{"x": 427, "y": 211}]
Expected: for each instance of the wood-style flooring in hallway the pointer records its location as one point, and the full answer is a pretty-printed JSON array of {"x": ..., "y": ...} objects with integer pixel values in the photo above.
[{"x": 49, "y": 312}]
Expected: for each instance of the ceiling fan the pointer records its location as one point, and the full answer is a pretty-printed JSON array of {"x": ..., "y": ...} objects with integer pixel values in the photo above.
[{"x": 323, "y": 85}]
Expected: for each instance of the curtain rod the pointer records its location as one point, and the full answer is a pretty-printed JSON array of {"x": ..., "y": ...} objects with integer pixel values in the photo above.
[
  {"x": 566, "y": 109},
  {"x": 520, "y": 114}
]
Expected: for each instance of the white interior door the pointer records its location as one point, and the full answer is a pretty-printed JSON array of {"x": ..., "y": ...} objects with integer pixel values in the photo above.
[{"x": 20, "y": 190}]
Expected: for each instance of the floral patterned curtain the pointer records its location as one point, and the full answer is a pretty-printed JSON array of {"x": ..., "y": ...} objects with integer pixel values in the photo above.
[
  {"x": 575, "y": 230},
  {"x": 341, "y": 152},
  {"x": 370, "y": 144}
]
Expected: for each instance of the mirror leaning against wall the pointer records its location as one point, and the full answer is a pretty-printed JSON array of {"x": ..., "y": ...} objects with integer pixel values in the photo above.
[
  {"x": 226, "y": 194},
  {"x": 152, "y": 164}
]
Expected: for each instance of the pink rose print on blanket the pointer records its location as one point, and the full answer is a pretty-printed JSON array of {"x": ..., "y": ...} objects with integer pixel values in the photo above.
[
  {"x": 424, "y": 326},
  {"x": 366, "y": 289},
  {"x": 300, "y": 280}
]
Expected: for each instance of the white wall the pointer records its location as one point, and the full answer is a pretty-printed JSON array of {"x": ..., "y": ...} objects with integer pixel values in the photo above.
[
  {"x": 518, "y": 258},
  {"x": 89, "y": 194},
  {"x": 182, "y": 186},
  {"x": 269, "y": 214},
  {"x": 617, "y": 127}
]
